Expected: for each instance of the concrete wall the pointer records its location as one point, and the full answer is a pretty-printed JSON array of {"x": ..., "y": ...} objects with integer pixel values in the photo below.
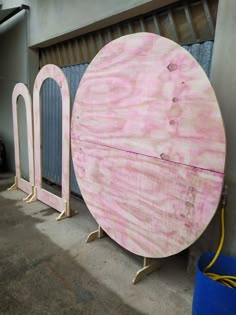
[
  {"x": 56, "y": 20},
  {"x": 13, "y": 69},
  {"x": 224, "y": 83}
]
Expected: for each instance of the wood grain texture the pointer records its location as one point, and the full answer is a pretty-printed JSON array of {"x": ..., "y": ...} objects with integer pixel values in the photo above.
[
  {"x": 55, "y": 73},
  {"x": 144, "y": 93},
  {"x": 21, "y": 89},
  {"x": 151, "y": 207},
  {"x": 148, "y": 144}
]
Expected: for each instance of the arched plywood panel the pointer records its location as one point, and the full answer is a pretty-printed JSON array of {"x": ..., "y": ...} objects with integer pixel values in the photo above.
[
  {"x": 21, "y": 89},
  {"x": 59, "y": 203}
]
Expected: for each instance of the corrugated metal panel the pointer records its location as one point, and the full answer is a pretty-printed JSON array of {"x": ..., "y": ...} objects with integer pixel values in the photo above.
[
  {"x": 203, "y": 54},
  {"x": 51, "y": 131},
  {"x": 185, "y": 22},
  {"x": 52, "y": 126},
  {"x": 51, "y": 112}
]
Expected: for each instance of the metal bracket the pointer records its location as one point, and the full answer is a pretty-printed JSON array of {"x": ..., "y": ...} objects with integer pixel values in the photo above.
[
  {"x": 149, "y": 265},
  {"x": 95, "y": 235}
]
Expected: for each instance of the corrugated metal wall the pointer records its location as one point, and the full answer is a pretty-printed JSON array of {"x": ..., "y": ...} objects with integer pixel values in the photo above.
[
  {"x": 51, "y": 112},
  {"x": 52, "y": 125},
  {"x": 203, "y": 54}
]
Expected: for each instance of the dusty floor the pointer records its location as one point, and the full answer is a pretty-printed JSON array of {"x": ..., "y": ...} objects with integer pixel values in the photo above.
[{"x": 47, "y": 268}]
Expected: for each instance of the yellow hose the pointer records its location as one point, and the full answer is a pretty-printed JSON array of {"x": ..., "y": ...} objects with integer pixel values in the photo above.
[{"x": 229, "y": 281}]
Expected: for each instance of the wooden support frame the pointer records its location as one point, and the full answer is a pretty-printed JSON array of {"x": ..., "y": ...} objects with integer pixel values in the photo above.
[
  {"x": 149, "y": 264},
  {"x": 61, "y": 204},
  {"x": 28, "y": 187},
  {"x": 99, "y": 233}
]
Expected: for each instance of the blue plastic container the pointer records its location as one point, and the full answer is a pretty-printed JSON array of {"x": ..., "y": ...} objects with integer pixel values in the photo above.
[{"x": 211, "y": 297}]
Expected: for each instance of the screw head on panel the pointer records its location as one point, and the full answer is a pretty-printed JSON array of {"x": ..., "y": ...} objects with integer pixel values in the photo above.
[
  {"x": 164, "y": 156},
  {"x": 172, "y": 67}
]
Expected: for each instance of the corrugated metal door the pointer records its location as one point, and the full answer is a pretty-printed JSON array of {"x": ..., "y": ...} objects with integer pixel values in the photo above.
[{"x": 51, "y": 112}]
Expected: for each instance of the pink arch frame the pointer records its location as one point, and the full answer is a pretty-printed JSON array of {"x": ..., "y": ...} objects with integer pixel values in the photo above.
[
  {"x": 61, "y": 204},
  {"x": 21, "y": 89}
]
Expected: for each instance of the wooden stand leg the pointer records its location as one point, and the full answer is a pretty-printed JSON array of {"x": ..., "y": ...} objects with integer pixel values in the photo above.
[
  {"x": 30, "y": 195},
  {"x": 15, "y": 185},
  {"x": 96, "y": 235},
  {"x": 66, "y": 213},
  {"x": 27, "y": 197},
  {"x": 33, "y": 196},
  {"x": 149, "y": 265}
]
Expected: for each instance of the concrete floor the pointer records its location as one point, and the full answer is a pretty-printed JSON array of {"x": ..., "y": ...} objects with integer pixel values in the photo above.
[{"x": 47, "y": 268}]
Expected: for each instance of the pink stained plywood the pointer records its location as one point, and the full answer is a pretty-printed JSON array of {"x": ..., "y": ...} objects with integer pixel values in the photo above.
[
  {"x": 55, "y": 73},
  {"x": 148, "y": 144},
  {"x": 21, "y": 89},
  {"x": 151, "y": 207}
]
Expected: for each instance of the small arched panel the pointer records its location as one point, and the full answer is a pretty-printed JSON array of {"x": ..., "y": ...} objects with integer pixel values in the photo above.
[
  {"x": 21, "y": 89},
  {"x": 59, "y": 203}
]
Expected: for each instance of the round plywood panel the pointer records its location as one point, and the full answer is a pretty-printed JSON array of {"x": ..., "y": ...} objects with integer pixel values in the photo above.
[{"x": 148, "y": 144}]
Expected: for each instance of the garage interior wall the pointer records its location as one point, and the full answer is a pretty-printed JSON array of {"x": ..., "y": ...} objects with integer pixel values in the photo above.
[{"x": 224, "y": 83}]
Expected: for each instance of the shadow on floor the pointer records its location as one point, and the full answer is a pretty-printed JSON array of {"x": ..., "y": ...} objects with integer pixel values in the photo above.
[{"x": 38, "y": 277}]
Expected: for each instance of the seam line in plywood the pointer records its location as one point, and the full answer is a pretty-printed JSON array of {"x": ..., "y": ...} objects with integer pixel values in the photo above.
[{"x": 154, "y": 157}]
